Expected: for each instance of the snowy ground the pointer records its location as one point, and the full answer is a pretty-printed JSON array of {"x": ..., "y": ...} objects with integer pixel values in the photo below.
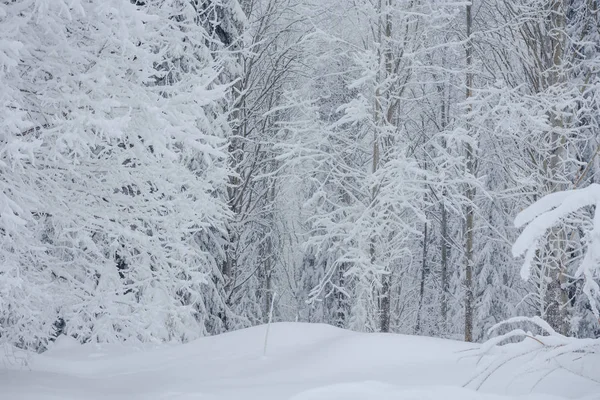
[{"x": 303, "y": 362}]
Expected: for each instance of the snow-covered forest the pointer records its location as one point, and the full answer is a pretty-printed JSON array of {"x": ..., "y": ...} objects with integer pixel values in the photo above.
[{"x": 172, "y": 169}]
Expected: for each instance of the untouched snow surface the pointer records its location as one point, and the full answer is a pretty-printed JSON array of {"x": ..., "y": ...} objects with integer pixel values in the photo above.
[{"x": 303, "y": 362}]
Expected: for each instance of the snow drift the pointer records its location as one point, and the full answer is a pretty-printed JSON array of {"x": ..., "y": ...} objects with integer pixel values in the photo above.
[{"x": 302, "y": 362}]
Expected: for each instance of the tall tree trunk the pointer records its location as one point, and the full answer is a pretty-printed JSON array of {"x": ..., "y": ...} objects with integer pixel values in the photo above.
[
  {"x": 340, "y": 301},
  {"x": 444, "y": 262},
  {"x": 424, "y": 271},
  {"x": 385, "y": 303},
  {"x": 557, "y": 314},
  {"x": 470, "y": 192},
  {"x": 444, "y": 227},
  {"x": 381, "y": 120}
]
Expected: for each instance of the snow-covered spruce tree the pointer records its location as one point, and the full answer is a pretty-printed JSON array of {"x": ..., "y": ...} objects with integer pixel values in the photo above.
[
  {"x": 269, "y": 63},
  {"x": 522, "y": 150},
  {"x": 111, "y": 169},
  {"x": 313, "y": 158},
  {"x": 557, "y": 81},
  {"x": 365, "y": 230}
]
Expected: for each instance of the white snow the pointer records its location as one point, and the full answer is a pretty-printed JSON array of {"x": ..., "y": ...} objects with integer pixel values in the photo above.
[{"x": 303, "y": 362}]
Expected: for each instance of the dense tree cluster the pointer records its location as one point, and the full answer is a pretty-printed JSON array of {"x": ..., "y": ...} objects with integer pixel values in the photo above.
[{"x": 175, "y": 168}]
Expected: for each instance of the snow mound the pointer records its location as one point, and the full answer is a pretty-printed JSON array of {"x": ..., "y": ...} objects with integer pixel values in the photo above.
[
  {"x": 302, "y": 362},
  {"x": 380, "y": 391}
]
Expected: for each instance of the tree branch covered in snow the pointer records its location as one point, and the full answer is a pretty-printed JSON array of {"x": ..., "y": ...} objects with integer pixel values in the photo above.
[{"x": 547, "y": 213}]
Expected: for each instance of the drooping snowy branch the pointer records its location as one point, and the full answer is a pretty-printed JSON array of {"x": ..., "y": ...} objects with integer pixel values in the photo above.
[{"x": 546, "y": 214}]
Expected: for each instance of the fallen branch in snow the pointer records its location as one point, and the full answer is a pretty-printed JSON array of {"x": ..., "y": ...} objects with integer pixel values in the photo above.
[
  {"x": 550, "y": 352},
  {"x": 536, "y": 339}
]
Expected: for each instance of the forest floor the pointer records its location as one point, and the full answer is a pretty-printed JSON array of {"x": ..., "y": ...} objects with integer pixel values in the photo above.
[{"x": 302, "y": 362}]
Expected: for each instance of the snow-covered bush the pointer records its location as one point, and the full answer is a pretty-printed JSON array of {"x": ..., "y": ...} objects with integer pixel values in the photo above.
[{"x": 110, "y": 167}]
